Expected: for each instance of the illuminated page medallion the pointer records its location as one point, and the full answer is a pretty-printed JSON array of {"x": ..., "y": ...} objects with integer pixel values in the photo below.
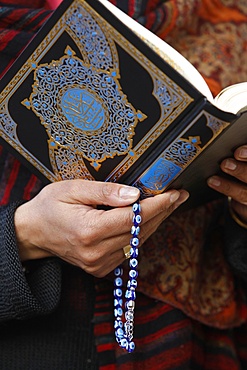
[{"x": 83, "y": 110}]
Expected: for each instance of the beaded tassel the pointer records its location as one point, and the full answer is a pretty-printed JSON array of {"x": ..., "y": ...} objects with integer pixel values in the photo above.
[{"x": 124, "y": 331}]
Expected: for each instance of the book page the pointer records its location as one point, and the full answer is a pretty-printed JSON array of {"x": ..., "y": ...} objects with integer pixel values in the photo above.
[
  {"x": 233, "y": 98},
  {"x": 164, "y": 50}
]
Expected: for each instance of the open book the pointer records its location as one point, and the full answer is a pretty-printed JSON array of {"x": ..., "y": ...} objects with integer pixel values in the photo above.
[
  {"x": 232, "y": 99},
  {"x": 97, "y": 96}
]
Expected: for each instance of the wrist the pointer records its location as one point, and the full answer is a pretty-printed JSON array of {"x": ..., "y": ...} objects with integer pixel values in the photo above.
[{"x": 27, "y": 250}]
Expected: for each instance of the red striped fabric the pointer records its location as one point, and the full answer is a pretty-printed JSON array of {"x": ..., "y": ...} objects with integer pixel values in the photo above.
[
  {"x": 165, "y": 338},
  {"x": 11, "y": 182},
  {"x": 17, "y": 27},
  {"x": 29, "y": 188}
]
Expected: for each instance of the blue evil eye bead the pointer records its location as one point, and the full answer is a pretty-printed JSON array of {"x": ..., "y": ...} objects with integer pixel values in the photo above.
[
  {"x": 136, "y": 208},
  {"x": 118, "y": 312},
  {"x": 131, "y": 347},
  {"x": 135, "y": 230},
  {"x": 130, "y": 294},
  {"x": 119, "y": 333},
  {"x": 118, "y": 302},
  {"x": 118, "y": 281},
  {"x": 124, "y": 331},
  {"x": 118, "y": 293},
  {"x": 118, "y": 323},
  {"x": 133, "y": 274},
  {"x": 132, "y": 283},
  {"x": 118, "y": 271},
  {"x": 123, "y": 343},
  {"x": 134, "y": 252},
  {"x": 133, "y": 262},
  {"x": 137, "y": 220},
  {"x": 134, "y": 242}
]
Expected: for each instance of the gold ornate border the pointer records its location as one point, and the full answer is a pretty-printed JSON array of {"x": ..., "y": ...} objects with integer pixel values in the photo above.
[{"x": 115, "y": 37}]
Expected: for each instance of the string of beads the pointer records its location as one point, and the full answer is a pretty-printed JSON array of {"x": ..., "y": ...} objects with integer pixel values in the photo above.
[{"x": 124, "y": 329}]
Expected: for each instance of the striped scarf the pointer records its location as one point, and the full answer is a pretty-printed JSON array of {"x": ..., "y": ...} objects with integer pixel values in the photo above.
[{"x": 18, "y": 24}]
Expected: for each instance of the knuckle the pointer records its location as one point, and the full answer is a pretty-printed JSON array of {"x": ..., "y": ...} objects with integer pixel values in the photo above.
[
  {"x": 91, "y": 260},
  {"x": 240, "y": 171},
  {"x": 75, "y": 238},
  {"x": 243, "y": 175},
  {"x": 88, "y": 235},
  {"x": 169, "y": 208},
  {"x": 242, "y": 196},
  {"x": 46, "y": 192},
  {"x": 226, "y": 187},
  {"x": 128, "y": 219},
  {"x": 87, "y": 238},
  {"x": 106, "y": 189}
]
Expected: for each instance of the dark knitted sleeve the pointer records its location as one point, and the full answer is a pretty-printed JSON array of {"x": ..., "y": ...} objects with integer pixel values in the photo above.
[
  {"x": 236, "y": 246},
  {"x": 23, "y": 295},
  {"x": 37, "y": 292}
]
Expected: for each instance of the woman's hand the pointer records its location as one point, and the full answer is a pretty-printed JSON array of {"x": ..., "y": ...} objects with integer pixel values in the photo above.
[
  {"x": 237, "y": 190},
  {"x": 63, "y": 220}
]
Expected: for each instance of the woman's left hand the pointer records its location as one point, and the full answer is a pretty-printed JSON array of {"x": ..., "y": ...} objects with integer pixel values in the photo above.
[{"x": 237, "y": 190}]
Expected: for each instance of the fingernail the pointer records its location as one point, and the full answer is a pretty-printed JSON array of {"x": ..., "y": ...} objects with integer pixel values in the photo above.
[
  {"x": 230, "y": 165},
  {"x": 184, "y": 195},
  {"x": 243, "y": 153},
  {"x": 174, "y": 196},
  {"x": 214, "y": 181},
  {"x": 127, "y": 192}
]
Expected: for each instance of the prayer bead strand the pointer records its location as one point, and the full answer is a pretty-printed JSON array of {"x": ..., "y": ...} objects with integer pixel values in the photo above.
[{"x": 124, "y": 331}]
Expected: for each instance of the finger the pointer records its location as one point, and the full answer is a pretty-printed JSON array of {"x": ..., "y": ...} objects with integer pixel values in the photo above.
[
  {"x": 233, "y": 189},
  {"x": 147, "y": 226},
  {"x": 100, "y": 259},
  {"x": 241, "y": 153},
  {"x": 162, "y": 204},
  {"x": 119, "y": 221},
  {"x": 146, "y": 230},
  {"x": 106, "y": 255},
  {"x": 235, "y": 168},
  {"x": 96, "y": 193}
]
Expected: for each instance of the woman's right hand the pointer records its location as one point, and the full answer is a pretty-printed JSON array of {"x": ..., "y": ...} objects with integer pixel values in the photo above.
[{"x": 63, "y": 220}]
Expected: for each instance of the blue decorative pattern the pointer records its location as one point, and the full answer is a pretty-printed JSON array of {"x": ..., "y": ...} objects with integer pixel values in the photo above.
[
  {"x": 83, "y": 109},
  {"x": 95, "y": 48},
  {"x": 159, "y": 175},
  {"x": 168, "y": 165}
]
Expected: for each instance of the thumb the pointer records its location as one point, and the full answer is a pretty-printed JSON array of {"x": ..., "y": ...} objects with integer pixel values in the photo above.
[{"x": 100, "y": 193}]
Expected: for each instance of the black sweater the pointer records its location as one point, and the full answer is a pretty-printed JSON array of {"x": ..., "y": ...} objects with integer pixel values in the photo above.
[{"x": 45, "y": 311}]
